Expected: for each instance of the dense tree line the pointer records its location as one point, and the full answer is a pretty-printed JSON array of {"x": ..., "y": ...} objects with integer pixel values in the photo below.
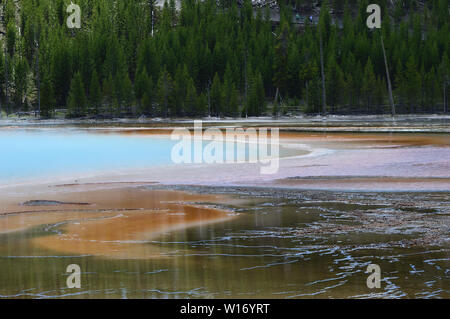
[{"x": 220, "y": 58}]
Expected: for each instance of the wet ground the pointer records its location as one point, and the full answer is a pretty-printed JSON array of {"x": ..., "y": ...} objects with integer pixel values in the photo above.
[
  {"x": 279, "y": 244},
  {"x": 380, "y": 199},
  {"x": 416, "y": 123}
]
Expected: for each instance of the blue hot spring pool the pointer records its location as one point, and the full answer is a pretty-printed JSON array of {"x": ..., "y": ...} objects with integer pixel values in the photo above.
[{"x": 34, "y": 153}]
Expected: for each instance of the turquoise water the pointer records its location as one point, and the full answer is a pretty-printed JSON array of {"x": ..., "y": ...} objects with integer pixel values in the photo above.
[{"x": 36, "y": 153}]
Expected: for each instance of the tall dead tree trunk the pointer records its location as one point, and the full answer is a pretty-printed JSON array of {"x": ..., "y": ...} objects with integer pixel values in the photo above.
[
  {"x": 324, "y": 96},
  {"x": 391, "y": 97}
]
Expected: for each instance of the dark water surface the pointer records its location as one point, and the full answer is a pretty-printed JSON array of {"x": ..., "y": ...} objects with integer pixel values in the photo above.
[{"x": 283, "y": 244}]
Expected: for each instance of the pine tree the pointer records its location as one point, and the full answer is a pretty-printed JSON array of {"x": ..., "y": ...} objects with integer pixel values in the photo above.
[
  {"x": 202, "y": 105},
  {"x": 335, "y": 84},
  {"x": 95, "y": 94},
  {"x": 119, "y": 93},
  {"x": 2, "y": 82},
  {"x": 48, "y": 100},
  {"x": 369, "y": 85},
  {"x": 180, "y": 90},
  {"x": 256, "y": 97},
  {"x": 190, "y": 100},
  {"x": 128, "y": 95},
  {"x": 431, "y": 89},
  {"x": 308, "y": 72},
  {"x": 11, "y": 38},
  {"x": 108, "y": 93},
  {"x": 230, "y": 94},
  {"x": 143, "y": 88},
  {"x": 412, "y": 84},
  {"x": 379, "y": 96},
  {"x": 444, "y": 80},
  {"x": 216, "y": 96},
  {"x": 146, "y": 104},
  {"x": 280, "y": 61},
  {"x": 120, "y": 39},
  {"x": 61, "y": 72},
  {"x": 21, "y": 69},
  {"x": 260, "y": 94},
  {"x": 165, "y": 93},
  {"x": 77, "y": 97},
  {"x": 293, "y": 67}
]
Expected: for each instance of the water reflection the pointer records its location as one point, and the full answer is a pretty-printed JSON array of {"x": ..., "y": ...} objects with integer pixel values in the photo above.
[{"x": 292, "y": 246}]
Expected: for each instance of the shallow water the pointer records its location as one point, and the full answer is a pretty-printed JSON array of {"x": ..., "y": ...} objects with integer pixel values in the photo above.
[
  {"x": 35, "y": 153},
  {"x": 72, "y": 152},
  {"x": 284, "y": 245},
  {"x": 276, "y": 243}
]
